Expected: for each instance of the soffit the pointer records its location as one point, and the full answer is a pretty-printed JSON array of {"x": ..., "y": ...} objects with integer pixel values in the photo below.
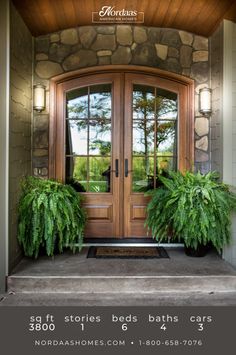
[{"x": 197, "y": 16}]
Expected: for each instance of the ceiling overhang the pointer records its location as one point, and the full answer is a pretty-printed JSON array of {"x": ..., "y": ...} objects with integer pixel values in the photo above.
[{"x": 201, "y": 17}]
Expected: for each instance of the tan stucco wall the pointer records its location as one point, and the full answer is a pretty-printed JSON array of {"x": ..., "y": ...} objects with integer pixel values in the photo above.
[
  {"x": 229, "y": 121},
  {"x": 216, "y": 120},
  {"x": 4, "y": 113},
  {"x": 21, "y": 58}
]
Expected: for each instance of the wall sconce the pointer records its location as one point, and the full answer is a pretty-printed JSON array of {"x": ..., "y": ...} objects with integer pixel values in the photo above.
[
  {"x": 39, "y": 97},
  {"x": 205, "y": 101}
]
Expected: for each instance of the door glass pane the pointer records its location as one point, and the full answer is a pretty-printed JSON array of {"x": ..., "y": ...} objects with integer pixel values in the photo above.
[
  {"x": 165, "y": 164},
  {"x": 76, "y": 173},
  {"x": 166, "y": 104},
  {"x": 143, "y": 137},
  {"x": 99, "y": 174},
  {"x": 100, "y": 137},
  {"x": 166, "y": 138},
  {"x": 143, "y": 169},
  {"x": 100, "y": 101},
  {"x": 88, "y": 138},
  {"x": 154, "y": 136},
  {"x": 77, "y": 103},
  {"x": 143, "y": 102},
  {"x": 76, "y": 137}
]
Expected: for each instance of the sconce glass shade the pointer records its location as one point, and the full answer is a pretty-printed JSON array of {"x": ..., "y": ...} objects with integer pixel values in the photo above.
[
  {"x": 39, "y": 97},
  {"x": 205, "y": 101}
]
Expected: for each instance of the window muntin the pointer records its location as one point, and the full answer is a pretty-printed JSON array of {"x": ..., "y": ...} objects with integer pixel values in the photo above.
[
  {"x": 88, "y": 138},
  {"x": 154, "y": 135}
]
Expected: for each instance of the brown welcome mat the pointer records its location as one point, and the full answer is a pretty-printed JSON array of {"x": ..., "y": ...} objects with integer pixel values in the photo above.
[{"x": 127, "y": 252}]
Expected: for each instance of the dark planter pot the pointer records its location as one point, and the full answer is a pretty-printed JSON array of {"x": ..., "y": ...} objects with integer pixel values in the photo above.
[
  {"x": 197, "y": 253},
  {"x": 43, "y": 252}
]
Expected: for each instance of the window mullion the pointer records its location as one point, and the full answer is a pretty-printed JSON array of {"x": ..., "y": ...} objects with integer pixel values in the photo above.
[
  {"x": 88, "y": 137},
  {"x": 155, "y": 137}
]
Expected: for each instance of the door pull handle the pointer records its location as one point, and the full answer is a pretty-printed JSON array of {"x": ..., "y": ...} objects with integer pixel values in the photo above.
[
  {"x": 117, "y": 168},
  {"x": 126, "y": 167},
  {"x": 116, "y": 171}
]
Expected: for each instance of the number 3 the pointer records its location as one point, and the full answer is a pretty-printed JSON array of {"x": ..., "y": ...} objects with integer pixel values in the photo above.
[{"x": 200, "y": 329}]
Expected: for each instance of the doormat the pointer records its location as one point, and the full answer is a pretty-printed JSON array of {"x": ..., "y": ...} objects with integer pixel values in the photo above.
[{"x": 127, "y": 252}]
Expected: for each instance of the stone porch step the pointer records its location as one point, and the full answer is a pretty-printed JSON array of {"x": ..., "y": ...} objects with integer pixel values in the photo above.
[
  {"x": 75, "y": 273},
  {"x": 121, "y": 284},
  {"x": 122, "y": 299}
]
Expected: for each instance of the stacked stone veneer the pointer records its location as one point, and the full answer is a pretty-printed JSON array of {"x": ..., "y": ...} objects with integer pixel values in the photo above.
[
  {"x": 171, "y": 50},
  {"x": 21, "y": 58}
]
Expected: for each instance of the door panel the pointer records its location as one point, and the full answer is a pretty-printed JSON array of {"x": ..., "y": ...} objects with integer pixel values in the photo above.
[
  {"x": 92, "y": 148},
  {"x": 115, "y": 133},
  {"x": 151, "y": 125}
]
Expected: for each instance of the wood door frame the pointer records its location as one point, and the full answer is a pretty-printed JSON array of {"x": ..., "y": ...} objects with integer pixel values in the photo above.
[
  {"x": 103, "y": 208},
  {"x": 135, "y": 203},
  {"x": 187, "y": 152},
  {"x": 170, "y": 81}
]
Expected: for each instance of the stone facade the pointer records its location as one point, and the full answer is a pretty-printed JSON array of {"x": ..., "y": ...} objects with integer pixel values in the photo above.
[
  {"x": 171, "y": 50},
  {"x": 21, "y": 58}
]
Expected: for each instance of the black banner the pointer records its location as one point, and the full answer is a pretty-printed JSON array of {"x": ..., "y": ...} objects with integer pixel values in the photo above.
[{"x": 118, "y": 330}]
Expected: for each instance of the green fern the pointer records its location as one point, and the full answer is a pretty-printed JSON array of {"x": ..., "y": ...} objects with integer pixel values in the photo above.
[
  {"x": 50, "y": 216},
  {"x": 196, "y": 209}
]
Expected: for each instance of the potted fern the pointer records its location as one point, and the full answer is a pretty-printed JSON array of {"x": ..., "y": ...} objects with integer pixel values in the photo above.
[
  {"x": 50, "y": 217},
  {"x": 194, "y": 207}
]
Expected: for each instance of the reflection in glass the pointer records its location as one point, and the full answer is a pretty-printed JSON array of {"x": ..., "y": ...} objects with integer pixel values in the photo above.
[
  {"x": 166, "y": 104},
  {"x": 88, "y": 138},
  {"x": 166, "y": 137},
  {"x": 143, "y": 102},
  {"x": 143, "y": 137},
  {"x": 76, "y": 173},
  {"x": 154, "y": 135},
  {"x": 89, "y": 174},
  {"x": 100, "y": 101},
  {"x": 100, "y": 137},
  {"x": 166, "y": 164},
  {"x": 143, "y": 171},
  {"x": 77, "y": 103},
  {"x": 76, "y": 137},
  {"x": 99, "y": 174}
]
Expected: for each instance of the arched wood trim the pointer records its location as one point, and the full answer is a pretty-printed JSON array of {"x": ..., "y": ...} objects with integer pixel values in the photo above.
[{"x": 122, "y": 68}]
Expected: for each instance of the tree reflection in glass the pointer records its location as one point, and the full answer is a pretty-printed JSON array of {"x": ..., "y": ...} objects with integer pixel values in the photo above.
[
  {"x": 89, "y": 136},
  {"x": 154, "y": 134}
]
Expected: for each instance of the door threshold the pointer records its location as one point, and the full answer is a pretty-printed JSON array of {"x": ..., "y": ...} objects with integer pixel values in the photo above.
[
  {"x": 164, "y": 245},
  {"x": 128, "y": 242}
]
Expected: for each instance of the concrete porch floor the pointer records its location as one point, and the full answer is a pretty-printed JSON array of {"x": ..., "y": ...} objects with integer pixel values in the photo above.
[{"x": 72, "y": 279}]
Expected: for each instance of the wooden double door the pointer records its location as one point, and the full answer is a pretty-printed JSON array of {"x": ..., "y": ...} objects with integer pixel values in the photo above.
[{"x": 114, "y": 133}]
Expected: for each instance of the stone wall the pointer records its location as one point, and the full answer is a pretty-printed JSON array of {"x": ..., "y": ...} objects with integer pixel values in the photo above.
[
  {"x": 21, "y": 58},
  {"x": 171, "y": 50},
  {"x": 216, "y": 124}
]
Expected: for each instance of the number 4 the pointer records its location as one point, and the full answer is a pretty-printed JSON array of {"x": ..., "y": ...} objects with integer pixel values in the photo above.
[{"x": 163, "y": 327}]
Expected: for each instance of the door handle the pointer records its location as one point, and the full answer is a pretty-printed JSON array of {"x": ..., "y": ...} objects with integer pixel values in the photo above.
[
  {"x": 126, "y": 167},
  {"x": 117, "y": 168}
]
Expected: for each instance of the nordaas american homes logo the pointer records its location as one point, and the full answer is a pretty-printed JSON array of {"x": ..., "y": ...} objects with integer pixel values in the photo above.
[{"x": 109, "y": 14}]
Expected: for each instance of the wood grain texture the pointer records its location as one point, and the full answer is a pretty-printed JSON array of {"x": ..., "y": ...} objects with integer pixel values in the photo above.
[
  {"x": 135, "y": 203},
  {"x": 198, "y": 16},
  {"x": 120, "y": 213}
]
